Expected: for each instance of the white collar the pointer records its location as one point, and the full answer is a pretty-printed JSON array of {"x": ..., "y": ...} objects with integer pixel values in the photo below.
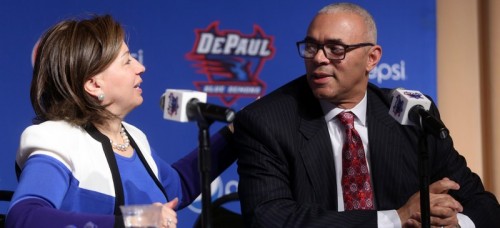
[{"x": 332, "y": 110}]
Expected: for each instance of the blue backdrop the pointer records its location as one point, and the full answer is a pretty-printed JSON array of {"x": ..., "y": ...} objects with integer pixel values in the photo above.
[{"x": 235, "y": 50}]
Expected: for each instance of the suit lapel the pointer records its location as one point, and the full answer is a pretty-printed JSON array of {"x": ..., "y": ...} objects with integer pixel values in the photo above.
[
  {"x": 389, "y": 161},
  {"x": 385, "y": 153},
  {"x": 317, "y": 152}
]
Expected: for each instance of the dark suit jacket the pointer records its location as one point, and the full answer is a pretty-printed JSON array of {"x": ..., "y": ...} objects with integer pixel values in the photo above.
[{"x": 287, "y": 172}]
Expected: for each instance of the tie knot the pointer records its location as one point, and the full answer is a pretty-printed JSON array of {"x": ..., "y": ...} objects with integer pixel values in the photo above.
[{"x": 347, "y": 119}]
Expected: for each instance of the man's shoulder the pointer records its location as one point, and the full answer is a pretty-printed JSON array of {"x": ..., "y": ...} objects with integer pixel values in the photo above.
[
  {"x": 286, "y": 94},
  {"x": 382, "y": 91}
]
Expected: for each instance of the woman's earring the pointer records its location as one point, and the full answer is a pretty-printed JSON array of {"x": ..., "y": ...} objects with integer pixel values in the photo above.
[{"x": 100, "y": 97}]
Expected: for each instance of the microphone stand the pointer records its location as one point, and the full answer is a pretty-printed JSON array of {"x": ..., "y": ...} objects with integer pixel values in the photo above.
[
  {"x": 205, "y": 167},
  {"x": 429, "y": 126},
  {"x": 423, "y": 160},
  {"x": 195, "y": 112}
]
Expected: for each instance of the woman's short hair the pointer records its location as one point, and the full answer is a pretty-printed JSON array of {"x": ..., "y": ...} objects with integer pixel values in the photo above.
[{"x": 68, "y": 54}]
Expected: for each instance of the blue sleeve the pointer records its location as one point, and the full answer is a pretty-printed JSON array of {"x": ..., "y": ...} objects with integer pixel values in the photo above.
[
  {"x": 222, "y": 156},
  {"x": 44, "y": 177},
  {"x": 42, "y": 187},
  {"x": 169, "y": 179},
  {"x": 36, "y": 212}
]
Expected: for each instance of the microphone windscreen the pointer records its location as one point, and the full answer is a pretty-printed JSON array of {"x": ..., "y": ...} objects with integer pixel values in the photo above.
[
  {"x": 403, "y": 100},
  {"x": 175, "y": 102}
]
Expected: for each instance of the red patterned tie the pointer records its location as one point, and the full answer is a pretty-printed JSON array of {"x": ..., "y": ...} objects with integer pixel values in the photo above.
[{"x": 356, "y": 185}]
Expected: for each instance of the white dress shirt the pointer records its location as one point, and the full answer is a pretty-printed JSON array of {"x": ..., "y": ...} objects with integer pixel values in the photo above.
[{"x": 388, "y": 218}]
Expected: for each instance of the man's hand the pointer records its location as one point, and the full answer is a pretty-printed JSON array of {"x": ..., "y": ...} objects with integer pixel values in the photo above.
[{"x": 443, "y": 207}]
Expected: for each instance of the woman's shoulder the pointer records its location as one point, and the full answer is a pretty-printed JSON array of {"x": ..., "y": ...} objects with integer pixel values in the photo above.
[
  {"x": 52, "y": 129},
  {"x": 49, "y": 137}
]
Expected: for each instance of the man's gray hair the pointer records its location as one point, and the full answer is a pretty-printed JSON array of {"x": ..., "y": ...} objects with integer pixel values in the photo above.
[{"x": 355, "y": 9}]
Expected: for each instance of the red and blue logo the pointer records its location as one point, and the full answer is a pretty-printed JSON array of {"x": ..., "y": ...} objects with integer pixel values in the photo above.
[
  {"x": 172, "y": 104},
  {"x": 414, "y": 95},
  {"x": 398, "y": 106},
  {"x": 232, "y": 62}
]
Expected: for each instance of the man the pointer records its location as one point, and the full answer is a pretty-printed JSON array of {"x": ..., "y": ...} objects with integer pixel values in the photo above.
[{"x": 293, "y": 165}]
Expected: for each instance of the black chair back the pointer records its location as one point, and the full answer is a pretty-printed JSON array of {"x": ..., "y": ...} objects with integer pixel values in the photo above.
[
  {"x": 6, "y": 196},
  {"x": 222, "y": 217}
]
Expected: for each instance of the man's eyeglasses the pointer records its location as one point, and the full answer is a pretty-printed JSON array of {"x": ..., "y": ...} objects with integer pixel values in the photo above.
[{"x": 308, "y": 49}]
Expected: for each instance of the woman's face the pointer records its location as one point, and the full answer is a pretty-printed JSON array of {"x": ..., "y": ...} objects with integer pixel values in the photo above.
[{"x": 120, "y": 83}]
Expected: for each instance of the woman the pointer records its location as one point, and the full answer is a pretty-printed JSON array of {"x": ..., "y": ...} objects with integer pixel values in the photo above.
[{"x": 83, "y": 161}]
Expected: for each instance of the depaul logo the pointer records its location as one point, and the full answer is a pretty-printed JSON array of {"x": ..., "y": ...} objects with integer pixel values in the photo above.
[{"x": 231, "y": 61}]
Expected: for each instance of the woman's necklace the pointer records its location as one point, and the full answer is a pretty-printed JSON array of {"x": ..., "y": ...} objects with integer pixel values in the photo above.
[{"x": 126, "y": 143}]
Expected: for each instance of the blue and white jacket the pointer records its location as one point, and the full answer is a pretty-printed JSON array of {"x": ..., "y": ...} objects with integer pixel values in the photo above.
[{"x": 69, "y": 175}]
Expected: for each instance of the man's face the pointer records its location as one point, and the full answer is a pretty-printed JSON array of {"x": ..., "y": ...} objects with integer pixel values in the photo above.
[{"x": 342, "y": 82}]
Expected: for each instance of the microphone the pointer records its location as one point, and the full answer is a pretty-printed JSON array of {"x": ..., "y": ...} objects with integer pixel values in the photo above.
[
  {"x": 410, "y": 107},
  {"x": 188, "y": 105}
]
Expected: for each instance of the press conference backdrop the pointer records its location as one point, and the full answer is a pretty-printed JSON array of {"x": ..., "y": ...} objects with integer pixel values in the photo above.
[{"x": 184, "y": 44}]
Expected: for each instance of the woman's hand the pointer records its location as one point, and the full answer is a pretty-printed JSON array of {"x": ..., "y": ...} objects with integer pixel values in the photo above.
[{"x": 168, "y": 214}]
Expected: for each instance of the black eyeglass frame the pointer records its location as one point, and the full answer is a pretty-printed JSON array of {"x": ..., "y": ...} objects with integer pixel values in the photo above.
[{"x": 347, "y": 48}]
